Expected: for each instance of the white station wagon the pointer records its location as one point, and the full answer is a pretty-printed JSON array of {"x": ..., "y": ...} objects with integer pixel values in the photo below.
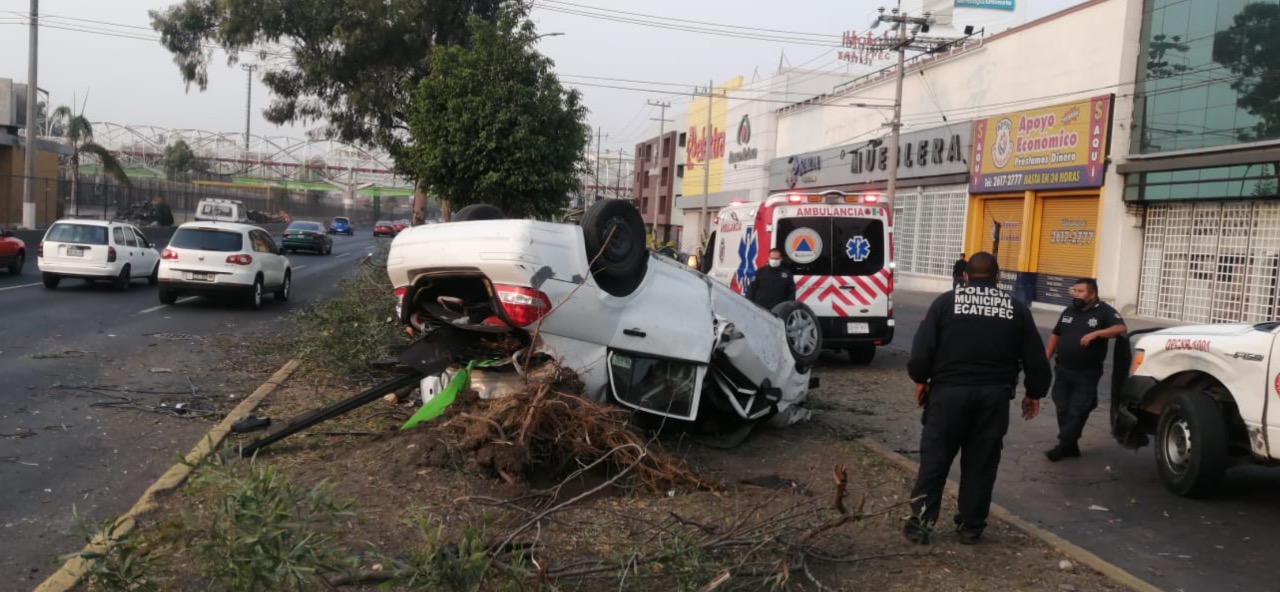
[
  {"x": 96, "y": 250},
  {"x": 642, "y": 330}
]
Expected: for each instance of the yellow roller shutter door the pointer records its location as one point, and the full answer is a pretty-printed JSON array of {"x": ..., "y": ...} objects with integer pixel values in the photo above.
[
  {"x": 1008, "y": 212},
  {"x": 1068, "y": 236}
]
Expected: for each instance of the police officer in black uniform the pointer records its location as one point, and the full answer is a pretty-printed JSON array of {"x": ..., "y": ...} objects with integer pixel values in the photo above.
[
  {"x": 1080, "y": 341},
  {"x": 965, "y": 362},
  {"x": 772, "y": 285}
]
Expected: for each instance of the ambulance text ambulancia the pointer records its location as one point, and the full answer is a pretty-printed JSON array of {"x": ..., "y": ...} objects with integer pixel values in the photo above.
[{"x": 838, "y": 245}]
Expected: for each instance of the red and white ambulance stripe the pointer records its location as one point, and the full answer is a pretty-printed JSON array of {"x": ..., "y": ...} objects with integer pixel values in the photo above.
[{"x": 843, "y": 292}]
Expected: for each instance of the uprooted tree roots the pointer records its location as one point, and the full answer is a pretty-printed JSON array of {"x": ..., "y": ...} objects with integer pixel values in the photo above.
[{"x": 549, "y": 427}]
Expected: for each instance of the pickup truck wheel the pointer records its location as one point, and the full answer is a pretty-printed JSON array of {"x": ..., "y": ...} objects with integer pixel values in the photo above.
[
  {"x": 804, "y": 336},
  {"x": 478, "y": 212},
  {"x": 1191, "y": 445},
  {"x": 614, "y": 233}
]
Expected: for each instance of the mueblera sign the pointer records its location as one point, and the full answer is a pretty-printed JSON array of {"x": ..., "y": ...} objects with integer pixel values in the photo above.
[
  {"x": 929, "y": 153},
  {"x": 1061, "y": 147}
]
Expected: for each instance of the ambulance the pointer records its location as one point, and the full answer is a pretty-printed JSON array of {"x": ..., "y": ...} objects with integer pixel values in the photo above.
[{"x": 839, "y": 247}]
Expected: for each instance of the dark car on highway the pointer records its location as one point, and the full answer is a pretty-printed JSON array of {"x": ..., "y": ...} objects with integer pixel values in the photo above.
[{"x": 307, "y": 236}]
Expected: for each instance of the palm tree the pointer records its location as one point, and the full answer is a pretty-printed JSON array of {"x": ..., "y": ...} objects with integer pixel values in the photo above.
[{"x": 79, "y": 134}]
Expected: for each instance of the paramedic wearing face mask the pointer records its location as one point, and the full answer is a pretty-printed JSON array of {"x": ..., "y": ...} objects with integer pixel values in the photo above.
[
  {"x": 1080, "y": 342},
  {"x": 772, "y": 285}
]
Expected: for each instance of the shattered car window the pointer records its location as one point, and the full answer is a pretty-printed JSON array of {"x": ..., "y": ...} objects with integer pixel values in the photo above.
[{"x": 661, "y": 386}]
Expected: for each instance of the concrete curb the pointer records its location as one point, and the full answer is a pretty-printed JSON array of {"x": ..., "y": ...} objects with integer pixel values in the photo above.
[
  {"x": 69, "y": 575},
  {"x": 1057, "y": 543}
]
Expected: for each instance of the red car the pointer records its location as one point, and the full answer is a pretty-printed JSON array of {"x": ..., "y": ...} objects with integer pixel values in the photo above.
[
  {"x": 384, "y": 228},
  {"x": 400, "y": 225},
  {"x": 13, "y": 252}
]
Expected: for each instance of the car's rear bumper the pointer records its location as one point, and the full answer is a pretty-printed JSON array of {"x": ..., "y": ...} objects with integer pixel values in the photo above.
[
  {"x": 73, "y": 270},
  {"x": 836, "y": 332},
  {"x": 303, "y": 243},
  {"x": 189, "y": 287}
]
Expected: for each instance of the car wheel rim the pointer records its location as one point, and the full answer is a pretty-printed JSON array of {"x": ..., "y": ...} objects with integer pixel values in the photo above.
[
  {"x": 257, "y": 294},
  {"x": 618, "y": 235},
  {"x": 287, "y": 283},
  {"x": 802, "y": 331},
  {"x": 1178, "y": 446}
]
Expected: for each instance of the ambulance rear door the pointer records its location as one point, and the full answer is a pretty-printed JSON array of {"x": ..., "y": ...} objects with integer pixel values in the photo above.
[{"x": 840, "y": 255}]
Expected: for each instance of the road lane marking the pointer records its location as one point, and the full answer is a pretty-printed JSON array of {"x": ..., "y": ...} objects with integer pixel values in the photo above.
[
  {"x": 22, "y": 286},
  {"x": 300, "y": 267},
  {"x": 338, "y": 255},
  {"x": 162, "y": 306}
]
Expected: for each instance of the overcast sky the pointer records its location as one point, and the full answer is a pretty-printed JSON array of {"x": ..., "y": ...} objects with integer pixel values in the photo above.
[{"x": 133, "y": 81}]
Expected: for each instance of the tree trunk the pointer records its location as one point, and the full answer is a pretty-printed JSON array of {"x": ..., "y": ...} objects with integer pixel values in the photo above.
[
  {"x": 75, "y": 180},
  {"x": 419, "y": 204},
  {"x": 446, "y": 212}
]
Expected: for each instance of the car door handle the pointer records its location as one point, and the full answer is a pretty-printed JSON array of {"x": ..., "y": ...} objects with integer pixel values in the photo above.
[{"x": 634, "y": 333}]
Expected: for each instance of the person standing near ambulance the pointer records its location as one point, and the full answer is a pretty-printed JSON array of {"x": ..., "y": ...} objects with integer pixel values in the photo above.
[
  {"x": 965, "y": 362},
  {"x": 772, "y": 285}
]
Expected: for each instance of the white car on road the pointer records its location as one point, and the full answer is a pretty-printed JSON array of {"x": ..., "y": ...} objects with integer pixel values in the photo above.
[
  {"x": 218, "y": 258},
  {"x": 96, "y": 250},
  {"x": 1205, "y": 393},
  {"x": 640, "y": 329}
]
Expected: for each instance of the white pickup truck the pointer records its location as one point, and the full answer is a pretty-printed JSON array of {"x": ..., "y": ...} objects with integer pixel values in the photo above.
[{"x": 1205, "y": 393}]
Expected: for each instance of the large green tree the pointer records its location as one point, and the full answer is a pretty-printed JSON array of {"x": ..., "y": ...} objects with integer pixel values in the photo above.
[
  {"x": 351, "y": 64},
  {"x": 180, "y": 161},
  {"x": 492, "y": 123}
]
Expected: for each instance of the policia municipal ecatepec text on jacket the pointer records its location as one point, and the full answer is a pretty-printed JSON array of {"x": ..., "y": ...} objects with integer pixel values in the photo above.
[{"x": 965, "y": 362}]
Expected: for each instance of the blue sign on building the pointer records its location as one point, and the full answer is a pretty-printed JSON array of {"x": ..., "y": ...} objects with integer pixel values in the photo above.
[{"x": 990, "y": 4}]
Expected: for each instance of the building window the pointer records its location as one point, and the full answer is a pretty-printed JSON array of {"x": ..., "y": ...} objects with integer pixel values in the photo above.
[
  {"x": 648, "y": 152},
  {"x": 928, "y": 233},
  {"x": 662, "y": 204},
  {"x": 666, "y": 147},
  {"x": 1243, "y": 181},
  {"x": 682, "y": 140},
  {"x": 1200, "y": 75},
  {"x": 679, "y": 171},
  {"x": 646, "y": 180},
  {"x": 644, "y": 207},
  {"x": 666, "y": 176}
]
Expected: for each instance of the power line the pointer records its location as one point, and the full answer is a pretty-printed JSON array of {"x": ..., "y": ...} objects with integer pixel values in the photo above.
[
  {"x": 668, "y": 18},
  {"x": 689, "y": 29}
]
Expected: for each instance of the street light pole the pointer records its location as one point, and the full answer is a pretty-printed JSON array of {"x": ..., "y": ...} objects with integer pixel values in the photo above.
[
  {"x": 706, "y": 167},
  {"x": 891, "y": 190},
  {"x": 248, "y": 100}
]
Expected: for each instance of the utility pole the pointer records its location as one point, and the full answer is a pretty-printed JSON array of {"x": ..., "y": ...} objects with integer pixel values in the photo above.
[
  {"x": 900, "y": 43},
  {"x": 33, "y": 129},
  {"x": 706, "y": 166},
  {"x": 599, "y": 140},
  {"x": 617, "y": 187},
  {"x": 661, "y": 119},
  {"x": 248, "y": 99}
]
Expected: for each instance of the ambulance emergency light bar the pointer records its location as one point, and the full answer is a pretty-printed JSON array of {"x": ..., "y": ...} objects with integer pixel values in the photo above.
[{"x": 834, "y": 197}]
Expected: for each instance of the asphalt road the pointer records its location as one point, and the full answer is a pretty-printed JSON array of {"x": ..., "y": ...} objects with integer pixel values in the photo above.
[
  {"x": 1112, "y": 502},
  {"x": 96, "y": 459}
]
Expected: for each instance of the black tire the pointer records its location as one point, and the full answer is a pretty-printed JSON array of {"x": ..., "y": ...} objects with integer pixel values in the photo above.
[
  {"x": 50, "y": 280},
  {"x": 282, "y": 295},
  {"x": 862, "y": 355},
  {"x": 804, "y": 334},
  {"x": 123, "y": 280},
  {"x": 478, "y": 212},
  {"x": 1191, "y": 445},
  {"x": 253, "y": 300},
  {"x": 15, "y": 268},
  {"x": 168, "y": 296},
  {"x": 154, "y": 278},
  {"x": 614, "y": 233}
]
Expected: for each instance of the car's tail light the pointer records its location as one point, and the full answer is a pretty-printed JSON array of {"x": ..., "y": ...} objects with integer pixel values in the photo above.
[
  {"x": 111, "y": 254},
  {"x": 40, "y": 249},
  {"x": 1138, "y": 357},
  {"x": 523, "y": 306},
  {"x": 240, "y": 259},
  {"x": 169, "y": 254}
]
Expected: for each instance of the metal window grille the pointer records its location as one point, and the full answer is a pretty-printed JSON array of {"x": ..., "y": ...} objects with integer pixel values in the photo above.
[
  {"x": 928, "y": 230},
  {"x": 1211, "y": 262}
]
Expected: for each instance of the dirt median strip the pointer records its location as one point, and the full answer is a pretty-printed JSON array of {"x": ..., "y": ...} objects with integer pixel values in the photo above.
[
  {"x": 69, "y": 575},
  {"x": 1059, "y": 544}
]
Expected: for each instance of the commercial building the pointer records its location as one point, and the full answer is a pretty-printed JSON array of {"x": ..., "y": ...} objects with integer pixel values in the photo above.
[
  {"x": 1042, "y": 108},
  {"x": 657, "y": 170},
  {"x": 1203, "y": 169}
]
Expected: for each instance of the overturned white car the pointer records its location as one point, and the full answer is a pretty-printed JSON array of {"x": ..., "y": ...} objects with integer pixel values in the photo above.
[{"x": 642, "y": 330}]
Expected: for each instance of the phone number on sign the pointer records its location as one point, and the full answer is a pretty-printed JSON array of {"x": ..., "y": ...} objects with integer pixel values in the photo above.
[
  {"x": 1071, "y": 237},
  {"x": 1032, "y": 179}
]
